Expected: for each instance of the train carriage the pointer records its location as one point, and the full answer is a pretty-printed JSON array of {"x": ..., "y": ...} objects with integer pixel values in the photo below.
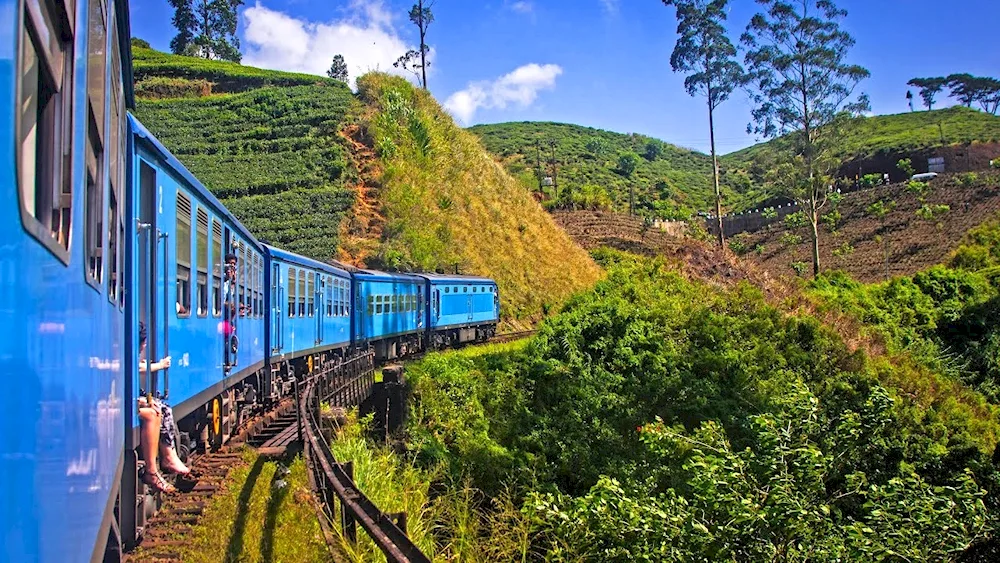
[
  {"x": 390, "y": 314},
  {"x": 310, "y": 306},
  {"x": 65, "y": 85},
  {"x": 461, "y": 309}
]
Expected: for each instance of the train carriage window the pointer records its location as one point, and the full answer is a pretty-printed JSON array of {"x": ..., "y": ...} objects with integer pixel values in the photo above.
[
  {"x": 217, "y": 260},
  {"x": 328, "y": 295},
  {"x": 310, "y": 295},
  {"x": 447, "y": 289},
  {"x": 291, "y": 292},
  {"x": 371, "y": 305},
  {"x": 378, "y": 304},
  {"x": 182, "y": 242},
  {"x": 347, "y": 298},
  {"x": 302, "y": 293},
  {"x": 45, "y": 123},
  {"x": 96, "y": 165},
  {"x": 259, "y": 278},
  {"x": 114, "y": 283},
  {"x": 201, "y": 249},
  {"x": 465, "y": 289}
]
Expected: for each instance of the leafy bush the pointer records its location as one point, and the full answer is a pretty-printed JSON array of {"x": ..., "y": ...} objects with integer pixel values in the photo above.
[
  {"x": 769, "y": 213},
  {"x": 796, "y": 220},
  {"x": 967, "y": 179},
  {"x": 799, "y": 267},
  {"x": 740, "y": 243},
  {"x": 917, "y": 187},
  {"x": 906, "y": 166},
  {"x": 657, "y": 419},
  {"x": 870, "y": 180},
  {"x": 790, "y": 239},
  {"x": 929, "y": 212}
]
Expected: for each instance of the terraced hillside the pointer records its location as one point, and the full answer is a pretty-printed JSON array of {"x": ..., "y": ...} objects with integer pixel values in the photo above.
[
  {"x": 382, "y": 179},
  {"x": 269, "y": 147},
  {"x": 861, "y": 242}
]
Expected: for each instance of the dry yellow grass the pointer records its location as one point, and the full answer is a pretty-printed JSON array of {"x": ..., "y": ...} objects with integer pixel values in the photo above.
[{"x": 446, "y": 201}]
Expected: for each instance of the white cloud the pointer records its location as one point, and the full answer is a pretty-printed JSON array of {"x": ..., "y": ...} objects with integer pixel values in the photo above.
[
  {"x": 366, "y": 37},
  {"x": 520, "y": 87},
  {"x": 523, "y": 7},
  {"x": 610, "y": 6}
]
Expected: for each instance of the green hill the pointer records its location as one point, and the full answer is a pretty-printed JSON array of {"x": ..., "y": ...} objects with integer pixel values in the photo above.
[
  {"x": 269, "y": 148},
  {"x": 669, "y": 181},
  {"x": 382, "y": 179},
  {"x": 673, "y": 182},
  {"x": 899, "y": 133}
]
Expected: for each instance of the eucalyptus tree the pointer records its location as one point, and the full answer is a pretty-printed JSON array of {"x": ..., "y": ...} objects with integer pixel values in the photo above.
[
  {"x": 704, "y": 51},
  {"x": 422, "y": 17},
  {"x": 206, "y": 29},
  {"x": 803, "y": 87},
  {"x": 928, "y": 88}
]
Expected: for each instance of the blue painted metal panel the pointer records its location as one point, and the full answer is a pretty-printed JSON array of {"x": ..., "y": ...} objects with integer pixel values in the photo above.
[
  {"x": 61, "y": 346},
  {"x": 461, "y": 301},
  {"x": 318, "y": 318},
  {"x": 387, "y": 305}
]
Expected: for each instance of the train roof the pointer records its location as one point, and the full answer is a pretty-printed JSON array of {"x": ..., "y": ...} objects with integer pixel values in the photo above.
[
  {"x": 377, "y": 275},
  {"x": 139, "y": 130},
  {"x": 454, "y": 278},
  {"x": 304, "y": 261}
]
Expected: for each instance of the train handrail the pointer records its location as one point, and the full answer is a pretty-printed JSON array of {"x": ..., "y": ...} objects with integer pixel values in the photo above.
[{"x": 356, "y": 507}]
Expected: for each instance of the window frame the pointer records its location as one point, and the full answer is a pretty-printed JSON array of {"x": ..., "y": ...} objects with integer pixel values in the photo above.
[
  {"x": 201, "y": 250},
  {"x": 178, "y": 264},
  {"x": 216, "y": 258},
  {"x": 292, "y": 284},
  {"x": 56, "y": 60}
]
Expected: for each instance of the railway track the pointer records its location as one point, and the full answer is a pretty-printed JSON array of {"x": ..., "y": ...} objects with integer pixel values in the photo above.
[
  {"x": 164, "y": 536},
  {"x": 271, "y": 434}
]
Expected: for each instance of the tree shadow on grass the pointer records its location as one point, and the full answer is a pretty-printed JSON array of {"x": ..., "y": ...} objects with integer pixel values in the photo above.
[
  {"x": 235, "y": 547},
  {"x": 271, "y": 518}
]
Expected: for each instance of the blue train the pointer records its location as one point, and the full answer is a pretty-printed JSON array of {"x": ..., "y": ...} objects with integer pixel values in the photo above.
[{"x": 104, "y": 230}]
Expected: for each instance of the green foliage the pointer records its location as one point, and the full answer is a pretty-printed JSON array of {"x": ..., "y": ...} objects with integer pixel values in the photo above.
[
  {"x": 791, "y": 239},
  {"x": 206, "y": 29},
  {"x": 338, "y": 68},
  {"x": 658, "y": 419},
  {"x": 697, "y": 231},
  {"x": 589, "y": 156},
  {"x": 491, "y": 224},
  {"x": 843, "y": 250},
  {"x": 627, "y": 163},
  {"x": 906, "y": 166},
  {"x": 929, "y": 88},
  {"x": 226, "y": 77},
  {"x": 740, "y": 243},
  {"x": 769, "y": 213},
  {"x": 796, "y": 220},
  {"x": 967, "y": 179},
  {"x": 831, "y": 219},
  {"x": 930, "y": 212},
  {"x": 799, "y": 267},
  {"x": 917, "y": 187},
  {"x": 880, "y": 208},
  {"x": 870, "y": 180},
  {"x": 980, "y": 249},
  {"x": 653, "y": 150}
]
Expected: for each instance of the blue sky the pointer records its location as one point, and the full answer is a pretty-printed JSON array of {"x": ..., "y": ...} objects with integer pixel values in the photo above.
[{"x": 600, "y": 63}]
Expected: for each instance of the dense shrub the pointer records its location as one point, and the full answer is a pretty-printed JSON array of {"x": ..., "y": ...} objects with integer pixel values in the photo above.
[{"x": 656, "y": 419}]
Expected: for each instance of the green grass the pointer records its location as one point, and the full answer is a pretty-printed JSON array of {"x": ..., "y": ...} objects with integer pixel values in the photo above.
[
  {"x": 272, "y": 154},
  {"x": 446, "y": 202},
  {"x": 256, "y": 520}
]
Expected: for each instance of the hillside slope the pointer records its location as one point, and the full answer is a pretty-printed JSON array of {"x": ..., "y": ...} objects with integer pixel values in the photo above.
[
  {"x": 674, "y": 183},
  {"x": 382, "y": 179},
  {"x": 862, "y": 241},
  {"x": 445, "y": 201}
]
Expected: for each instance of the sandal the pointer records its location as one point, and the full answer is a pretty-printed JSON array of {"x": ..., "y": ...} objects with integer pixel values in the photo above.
[{"x": 157, "y": 481}]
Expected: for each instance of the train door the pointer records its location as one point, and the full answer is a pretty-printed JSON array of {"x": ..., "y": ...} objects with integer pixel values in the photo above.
[
  {"x": 276, "y": 300},
  {"x": 230, "y": 315},
  {"x": 468, "y": 302},
  {"x": 436, "y": 305},
  {"x": 318, "y": 284}
]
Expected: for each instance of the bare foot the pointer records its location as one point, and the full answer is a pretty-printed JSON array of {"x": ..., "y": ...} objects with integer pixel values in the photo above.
[{"x": 171, "y": 463}]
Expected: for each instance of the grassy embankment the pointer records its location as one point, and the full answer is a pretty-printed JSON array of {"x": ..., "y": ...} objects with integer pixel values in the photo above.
[
  {"x": 264, "y": 514},
  {"x": 445, "y": 202}
]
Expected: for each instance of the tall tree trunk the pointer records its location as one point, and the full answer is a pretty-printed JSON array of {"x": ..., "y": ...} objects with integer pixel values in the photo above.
[
  {"x": 423, "y": 47},
  {"x": 715, "y": 169},
  {"x": 814, "y": 222}
]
